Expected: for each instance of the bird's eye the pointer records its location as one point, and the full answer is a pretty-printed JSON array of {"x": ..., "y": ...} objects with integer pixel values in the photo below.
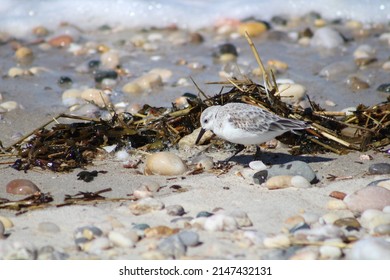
[{"x": 206, "y": 121}]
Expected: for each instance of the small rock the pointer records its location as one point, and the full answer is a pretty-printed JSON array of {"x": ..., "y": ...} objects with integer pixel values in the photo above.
[
  {"x": 336, "y": 205},
  {"x": 384, "y": 88},
  {"x": 364, "y": 51},
  {"x": 348, "y": 222},
  {"x": 319, "y": 233},
  {"x": 338, "y": 195},
  {"x": 9, "y": 105},
  {"x": 384, "y": 183},
  {"x": 326, "y": 37},
  {"x": 277, "y": 66},
  {"x": 383, "y": 229},
  {"x": 370, "y": 248},
  {"x": 356, "y": 84},
  {"x": 368, "y": 198},
  {"x": 2, "y": 231},
  {"x": 72, "y": 97},
  {"x": 165, "y": 74},
  {"x": 164, "y": 163},
  {"x": 175, "y": 210},
  {"x": 257, "y": 165},
  {"x": 22, "y": 187},
  {"x": 24, "y": 55},
  {"x": 189, "y": 238},
  {"x": 96, "y": 246},
  {"x": 132, "y": 88},
  {"x": 277, "y": 241},
  {"x": 149, "y": 81},
  {"x": 110, "y": 59},
  {"x": 96, "y": 96},
  {"x": 48, "y": 227},
  {"x": 120, "y": 240},
  {"x": 335, "y": 69},
  {"x": 241, "y": 218},
  {"x": 88, "y": 232},
  {"x": 219, "y": 222},
  {"x": 16, "y": 72},
  {"x": 172, "y": 247},
  {"x": 386, "y": 66},
  {"x": 279, "y": 182},
  {"x": 226, "y": 53},
  {"x": 61, "y": 41},
  {"x": 204, "y": 214},
  {"x": 101, "y": 75},
  {"x": 253, "y": 28},
  {"x": 330, "y": 252},
  {"x": 146, "y": 205},
  {"x": 160, "y": 231},
  {"x": 379, "y": 168},
  {"x": 291, "y": 93}
]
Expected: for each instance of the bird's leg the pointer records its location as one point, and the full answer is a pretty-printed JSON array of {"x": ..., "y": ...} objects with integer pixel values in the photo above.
[
  {"x": 258, "y": 153},
  {"x": 239, "y": 148}
]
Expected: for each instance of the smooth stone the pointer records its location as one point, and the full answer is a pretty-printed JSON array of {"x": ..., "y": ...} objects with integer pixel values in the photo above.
[
  {"x": 140, "y": 226},
  {"x": 336, "y": 205},
  {"x": 165, "y": 74},
  {"x": 164, "y": 163},
  {"x": 132, "y": 88},
  {"x": 71, "y": 97},
  {"x": 88, "y": 232},
  {"x": 149, "y": 81},
  {"x": 310, "y": 218},
  {"x": 146, "y": 205},
  {"x": 384, "y": 183},
  {"x": 379, "y": 168},
  {"x": 96, "y": 96},
  {"x": 9, "y": 105},
  {"x": 300, "y": 182},
  {"x": 355, "y": 83},
  {"x": 160, "y": 231},
  {"x": 120, "y": 240},
  {"x": 384, "y": 88},
  {"x": 347, "y": 222},
  {"x": 293, "y": 221},
  {"x": 102, "y": 75},
  {"x": 330, "y": 252},
  {"x": 253, "y": 28},
  {"x": 383, "y": 229},
  {"x": 189, "y": 238},
  {"x": 374, "y": 220},
  {"x": 241, "y": 218},
  {"x": 279, "y": 182},
  {"x": 337, "y": 69},
  {"x": 299, "y": 226},
  {"x": 305, "y": 254},
  {"x": 110, "y": 59},
  {"x": 204, "y": 214},
  {"x": 172, "y": 247},
  {"x": 49, "y": 253},
  {"x": 61, "y": 41},
  {"x": 292, "y": 168},
  {"x": 7, "y": 223},
  {"x": 48, "y": 227},
  {"x": 291, "y": 93},
  {"x": 88, "y": 110},
  {"x": 386, "y": 66},
  {"x": 220, "y": 222},
  {"x": 329, "y": 218},
  {"x": 369, "y": 215},
  {"x": 96, "y": 246},
  {"x": 326, "y": 37},
  {"x": 257, "y": 165},
  {"x": 16, "y": 72},
  {"x": 277, "y": 241},
  {"x": 175, "y": 210},
  {"x": 364, "y": 51},
  {"x": 370, "y": 248},
  {"x": 22, "y": 187},
  {"x": 368, "y": 198},
  {"x": 319, "y": 233},
  {"x": 24, "y": 55}
]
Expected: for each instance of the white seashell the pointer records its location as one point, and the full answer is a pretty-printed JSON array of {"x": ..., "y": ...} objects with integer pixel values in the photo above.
[
  {"x": 7, "y": 223},
  {"x": 164, "y": 163}
]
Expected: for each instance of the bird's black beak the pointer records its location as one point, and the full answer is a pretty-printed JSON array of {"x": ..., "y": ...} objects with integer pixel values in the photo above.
[{"x": 201, "y": 132}]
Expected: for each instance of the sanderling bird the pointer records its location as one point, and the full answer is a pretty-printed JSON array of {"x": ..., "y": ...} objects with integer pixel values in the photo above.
[{"x": 245, "y": 124}]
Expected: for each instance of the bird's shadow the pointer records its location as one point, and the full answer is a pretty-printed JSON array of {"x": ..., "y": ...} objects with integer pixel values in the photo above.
[{"x": 271, "y": 158}]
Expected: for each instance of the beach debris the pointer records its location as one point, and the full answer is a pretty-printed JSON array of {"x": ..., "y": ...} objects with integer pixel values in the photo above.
[
  {"x": 88, "y": 176},
  {"x": 36, "y": 201}
]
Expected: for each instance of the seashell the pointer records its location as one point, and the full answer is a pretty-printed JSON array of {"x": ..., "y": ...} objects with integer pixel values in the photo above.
[
  {"x": 7, "y": 223},
  {"x": 218, "y": 222},
  {"x": 164, "y": 163},
  {"x": 22, "y": 187}
]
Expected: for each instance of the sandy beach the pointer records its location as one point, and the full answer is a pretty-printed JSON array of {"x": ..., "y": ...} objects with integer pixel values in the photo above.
[{"x": 213, "y": 214}]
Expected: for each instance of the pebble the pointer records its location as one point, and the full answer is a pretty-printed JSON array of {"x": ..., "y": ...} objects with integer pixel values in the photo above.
[
  {"x": 356, "y": 84},
  {"x": 87, "y": 232},
  {"x": 257, "y": 165},
  {"x": 48, "y": 227},
  {"x": 364, "y": 51},
  {"x": 319, "y": 233},
  {"x": 330, "y": 252},
  {"x": 22, "y": 187},
  {"x": 241, "y": 218},
  {"x": 277, "y": 66},
  {"x": 203, "y": 162},
  {"x": 291, "y": 93},
  {"x": 384, "y": 88},
  {"x": 96, "y": 96},
  {"x": 379, "y": 168},
  {"x": 149, "y": 81},
  {"x": 172, "y": 247},
  {"x": 329, "y": 218},
  {"x": 386, "y": 66},
  {"x": 24, "y": 55},
  {"x": 226, "y": 52},
  {"x": 384, "y": 183},
  {"x": 381, "y": 229},
  {"x": 286, "y": 181},
  {"x": 292, "y": 168},
  {"x": 189, "y": 238},
  {"x": 95, "y": 246},
  {"x": 326, "y": 37},
  {"x": 253, "y": 28},
  {"x": 277, "y": 241},
  {"x": 165, "y": 74},
  {"x": 120, "y": 240},
  {"x": 7, "y": 223},
  {"x": 2, "y": 230},
  {"x": 164, "y": 163},
  {"x": 9, "y": 105},
  {"x": 336, "y": 205},
  {"x": 49, "y": 253},
  {"x": 372, "y": 218},
  {"x": 110, "y": 59},
  {"x": 16, "y": 72},
  {"x": 219, "y": 222},
  {"x": 299, "y": 226},
  {"x": 61, "y": 41},
  {"x": 204, "y": 214},
  {"x": 370, "y": 248},
  {"x": 335, "y": 69},
  {"x": 146, "y": 205},
  {"x": 348, "y": 222},
  {"x": 102, "y": 75},
  {"x": 132, "y": 88},
  {"x": 368, "y": 198},
  {"x": 160, "y": 231},
  {"x": 175, "y": 210}
]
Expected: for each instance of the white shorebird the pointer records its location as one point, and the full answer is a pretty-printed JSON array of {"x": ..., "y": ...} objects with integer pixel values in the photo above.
[{"x": 245, "y": 124}]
